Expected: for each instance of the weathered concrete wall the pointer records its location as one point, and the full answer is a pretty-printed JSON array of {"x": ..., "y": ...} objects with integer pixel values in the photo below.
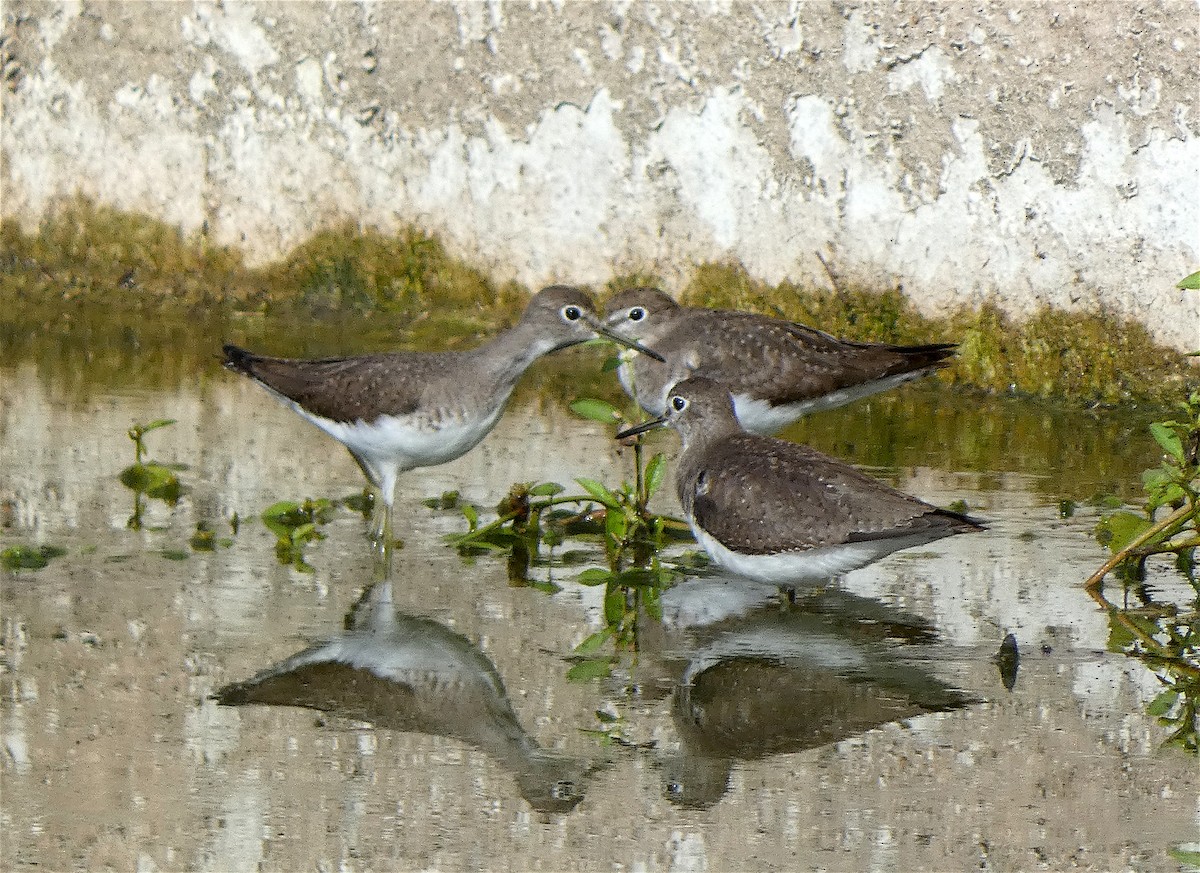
[{"x": 1036, "y": 152}]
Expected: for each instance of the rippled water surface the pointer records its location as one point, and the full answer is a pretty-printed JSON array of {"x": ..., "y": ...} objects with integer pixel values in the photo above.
[{"x": 169, "y": 708}]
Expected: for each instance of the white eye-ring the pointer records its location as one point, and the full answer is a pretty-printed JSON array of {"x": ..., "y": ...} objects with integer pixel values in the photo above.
[
  {"x": 572, "y": 313},
  {"x": 637, "y": 313},
  {"x": 679, "y": 403}
]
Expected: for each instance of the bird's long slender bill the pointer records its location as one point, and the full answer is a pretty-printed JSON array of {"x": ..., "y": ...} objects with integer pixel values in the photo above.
[
  {"x": 605, "y": 332},
  {"x": 642, "y": 428}
]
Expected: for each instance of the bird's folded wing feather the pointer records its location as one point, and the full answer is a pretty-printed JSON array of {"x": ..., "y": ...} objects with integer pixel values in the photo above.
[
  {"x": 760, "y": 496},
  {"x": 786, "y": 361},
  {"x": 347, "y": 389}
]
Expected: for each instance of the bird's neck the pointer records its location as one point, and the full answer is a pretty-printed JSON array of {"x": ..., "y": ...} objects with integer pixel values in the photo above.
[{"x": 508, "y": 354}]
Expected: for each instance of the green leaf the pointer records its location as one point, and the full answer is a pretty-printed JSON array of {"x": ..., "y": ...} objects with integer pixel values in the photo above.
[
  {"x": 280, "y": 518},
  {"x": 610, "y": 364},
  {"x": 1166, "y": 437},
  {"x": 655, "y": 469},
  {"x": 546, "y": 489},
  {"x": 605, "y": 717},
  {"x": 1162, "y": 704},
  {"x": 276, "y": 510},
  {"x": 594, "y": 641},
  {"x": 305, "y": 532},
  {"x": 146, "y": 478},
  {"x": 472, "y": 516},
  {"x": 638, "y": 577},
  {"x": 155, "y": 425},
  {"x": 1120, "y": 529},
  {"x": 614, "y": 605},
  {"x": 1190, "y": 283},
  {"x": 594, "y": 576},
  {"x": 598, "y": 491},
  {"x": 596, "y": 410},
  {"x": 175, "y": 555},
  {"x": 585, "y": 671},
  {"x": 652, "y": 602},
  {"x": 615, "y": 524}
]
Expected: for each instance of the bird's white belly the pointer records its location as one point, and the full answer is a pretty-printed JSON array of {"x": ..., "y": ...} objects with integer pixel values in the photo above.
[
  {"x": 801, "y": 566},
  {"x": 406, "y": 441},
  {"x": 409, "y": 439},
  {"x": 759, "y": 416}
]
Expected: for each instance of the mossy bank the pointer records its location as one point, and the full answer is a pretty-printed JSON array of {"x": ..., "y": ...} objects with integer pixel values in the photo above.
[{"x": 372, "y": 287}]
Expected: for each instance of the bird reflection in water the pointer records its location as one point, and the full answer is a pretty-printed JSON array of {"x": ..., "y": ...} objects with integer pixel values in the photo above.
[
  {"x": 410, "y": 673},
  {"x": 758, "y": 680}
]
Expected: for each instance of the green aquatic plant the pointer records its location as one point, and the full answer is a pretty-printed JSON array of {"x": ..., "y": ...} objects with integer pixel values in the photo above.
[
  {"x": 205, "y": 539},
  {"x": 1164, "y": 636},
  {"x": 1170, "y": 521},
  {"x": 150, "y": 478},
  {"x": 19, "y": 557},
  {"x": 295, "y": 525}
]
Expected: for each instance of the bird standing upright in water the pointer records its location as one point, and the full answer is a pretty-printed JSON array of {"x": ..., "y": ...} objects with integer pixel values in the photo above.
[
  {"x": 779, "y": 512},
  {"x": 401, "y": 410}
]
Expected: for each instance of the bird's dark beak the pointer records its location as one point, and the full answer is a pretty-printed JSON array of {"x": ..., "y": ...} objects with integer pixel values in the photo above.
[
  {"x": 642, "y": 428},
  {"x": 604, "y": 331}
]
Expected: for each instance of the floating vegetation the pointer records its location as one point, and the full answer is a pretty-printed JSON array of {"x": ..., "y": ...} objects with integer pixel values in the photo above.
[
  {"x": 205, "y": 538},
  {"x": 20, "y": 557},
  {"x": 532, "y": 517},
  {"x": 295, "y": 524},
  {"x": 150, "y": 478},
  {"x": 1166, "y": 636}
]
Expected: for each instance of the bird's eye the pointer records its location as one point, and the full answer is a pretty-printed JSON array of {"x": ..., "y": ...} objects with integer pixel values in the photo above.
[
  {"x": 679, "y": 403},
  {"x": 637, "y": 313},
  {"x": 572, "y": 313}
]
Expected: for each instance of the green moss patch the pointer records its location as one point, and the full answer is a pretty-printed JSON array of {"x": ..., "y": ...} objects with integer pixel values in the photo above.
[{"x": 351, "y": 290}]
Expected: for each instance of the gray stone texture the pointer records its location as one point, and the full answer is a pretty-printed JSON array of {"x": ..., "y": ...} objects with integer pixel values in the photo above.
[{"x": 1028, "y": 153}]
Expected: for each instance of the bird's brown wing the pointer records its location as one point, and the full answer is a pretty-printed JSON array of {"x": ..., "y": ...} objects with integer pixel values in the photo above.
[
  {"x": 759, "y": 495},
  {"x": 789, "y": 362},
  {"x": 343, "y": 389}
]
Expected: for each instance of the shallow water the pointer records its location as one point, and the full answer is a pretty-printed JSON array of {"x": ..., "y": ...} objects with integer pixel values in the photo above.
[{"x": 863, "y": 727}]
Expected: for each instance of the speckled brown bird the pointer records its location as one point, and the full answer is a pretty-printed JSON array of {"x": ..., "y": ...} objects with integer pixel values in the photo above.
[
  {"x": 779, "y": 512},
  {"x": 402, "y": 410},
  {"x": 777, "y": 370}
]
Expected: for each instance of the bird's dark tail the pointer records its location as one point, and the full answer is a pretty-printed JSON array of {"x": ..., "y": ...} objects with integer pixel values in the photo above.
[
  {"x": 931, "y": 355},
  {"x": 238, "y": 359}
]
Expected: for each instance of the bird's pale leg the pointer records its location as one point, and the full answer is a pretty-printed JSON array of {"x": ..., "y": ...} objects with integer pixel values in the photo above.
[
  {"x": 383, "y": 483},
  {"x": 385, "y": 539}
]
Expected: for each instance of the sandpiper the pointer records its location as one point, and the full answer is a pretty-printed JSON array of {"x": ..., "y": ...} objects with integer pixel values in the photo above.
[
  {"x": 401, "y": 410},
  {"x": 777, "y": 371},
  {"x": 783, "y": 513}
]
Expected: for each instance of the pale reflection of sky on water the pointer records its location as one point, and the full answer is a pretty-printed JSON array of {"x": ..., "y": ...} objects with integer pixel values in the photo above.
[{"x": 782, "y": 751}]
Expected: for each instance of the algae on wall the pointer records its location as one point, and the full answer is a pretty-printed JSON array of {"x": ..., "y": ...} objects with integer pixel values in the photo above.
[{"x": 410, "y": 291}]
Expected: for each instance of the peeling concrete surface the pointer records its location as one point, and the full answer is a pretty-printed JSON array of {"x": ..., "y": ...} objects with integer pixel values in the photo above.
[{"x": 1025, "y": 152}]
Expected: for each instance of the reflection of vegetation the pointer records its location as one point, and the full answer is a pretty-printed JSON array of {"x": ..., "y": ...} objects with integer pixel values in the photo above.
[
  {"x": 127, "y": 263},
  {"x": 1166, "y": 637},
  {"x": 29, "y": 557},
  {"x": 532, "y": 516},
  {"x": 150, "y": 478}
]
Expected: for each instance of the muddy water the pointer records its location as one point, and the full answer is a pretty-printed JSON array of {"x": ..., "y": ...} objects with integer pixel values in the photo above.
[{"x": 864, "y": 727}]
